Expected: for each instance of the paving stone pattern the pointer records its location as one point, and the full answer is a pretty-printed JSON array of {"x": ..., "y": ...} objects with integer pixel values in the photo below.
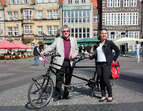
[{"x": 127, "y": 91}]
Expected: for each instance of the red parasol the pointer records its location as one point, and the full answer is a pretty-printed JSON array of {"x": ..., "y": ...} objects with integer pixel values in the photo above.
[
  {"x": 21, "y": 45},
  {"x": 7, "y": 45}
]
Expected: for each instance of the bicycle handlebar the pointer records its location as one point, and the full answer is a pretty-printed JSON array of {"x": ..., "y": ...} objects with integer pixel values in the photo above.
[{"x": 52, "y": 55}]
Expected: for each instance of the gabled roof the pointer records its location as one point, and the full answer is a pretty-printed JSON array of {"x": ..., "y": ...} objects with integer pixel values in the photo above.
[
  {"x": 60, "y": 1},
  {"x": 95, "y": 3}
]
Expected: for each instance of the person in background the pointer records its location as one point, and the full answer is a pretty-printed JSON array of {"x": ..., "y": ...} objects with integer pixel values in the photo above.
[
  {"x": 103, "y": 59},
  {"x": 36, "y": 53},
  {"x": 138, "y": 50},
  {"x": 67, "y": 47}
]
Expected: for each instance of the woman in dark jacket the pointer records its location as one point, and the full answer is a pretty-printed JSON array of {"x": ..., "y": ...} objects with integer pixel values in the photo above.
[{"x": 103, "y": 59}]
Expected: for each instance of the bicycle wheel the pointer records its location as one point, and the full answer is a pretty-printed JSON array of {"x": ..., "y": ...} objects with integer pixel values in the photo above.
[{"x": 40, "y": 91}]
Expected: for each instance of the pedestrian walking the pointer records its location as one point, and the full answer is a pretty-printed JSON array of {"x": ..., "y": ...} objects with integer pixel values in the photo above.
[
  {"x": 103, "y": 59},
  {"x": 67, "y": 47},
  {"x": 36, "y": 53},
  {"x": 138, "y": 51}
]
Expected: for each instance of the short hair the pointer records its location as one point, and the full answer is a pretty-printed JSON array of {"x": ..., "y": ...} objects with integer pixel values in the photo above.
[
  {"x": 137, "y": 42},
  {"x": 64, "y": 26}
]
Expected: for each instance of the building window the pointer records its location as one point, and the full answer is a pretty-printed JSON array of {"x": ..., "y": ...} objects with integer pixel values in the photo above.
[
  {"x": 52, "y": 0},
  {"x": 9, "y": 31},
  {"x": 116, "y": 35},
  {"x": 46, "y": 1},
  {"x": 123, "y": 34},
  {"x": 31, "y": 15},
  {"x": 40, "y": 31},
  {"x": 136, "y": 35},
  {"x": 18, "y": 1},
  {"x": 49, "y": 30},
  {"x": 126, "y": 3},
  {"x": 11, "y": 1},
  {"x": 32, "y": 45},
  {"x": 88, "y": 16},
  {"x": 31, "y": 30},
  {"x": 49, "y": 14},
  {"x": 76, "y": 16},
  {"x": 72, "y": 32},
  {"x": 69, "y": 1},
  {"x": 133, "y": 3},
  {"x": 132, "y": 18},
  {"x": 96, "y": 18},
  {"x": 117, "y": 3},
  {"x": 83, "y": 1},
  {"x": 15, "y": 15},
  {"x": 40, "y": 15},
  {"x": 80, "y": 32},
  {"x": 15, "y": 31},
  {"x": 76, "y": 1},
  {"x": 24, "y": 1},
  {"x": 95, "y": 33},
  {"x": 26, "y": 29},
  {"x": 130, "y": 46},
  {"x": 107, "y": 19},
  {"x": 84, "y": 16},
  {"x": 9, "y": 15},
  {"x": 109, "y": 3},
  {"x": 55, "y": 15},
  {"x": 112, "y": 35},
  {"x": 39, "y": 1},
  {"x": 25, "y": 14},
  {"x": 88, "y": 32},
  {"x": 55, "y": 30}
]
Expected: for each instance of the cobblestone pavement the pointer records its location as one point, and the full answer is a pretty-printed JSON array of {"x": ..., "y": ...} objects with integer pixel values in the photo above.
[{"x": 15, "y": 78}]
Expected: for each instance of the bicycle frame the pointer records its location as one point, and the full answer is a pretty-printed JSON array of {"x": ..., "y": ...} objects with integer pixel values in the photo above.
[{"x": 74, "y": 66}]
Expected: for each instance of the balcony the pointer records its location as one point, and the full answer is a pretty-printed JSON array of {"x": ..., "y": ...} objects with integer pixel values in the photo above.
[{"x": 27, "y": 38}]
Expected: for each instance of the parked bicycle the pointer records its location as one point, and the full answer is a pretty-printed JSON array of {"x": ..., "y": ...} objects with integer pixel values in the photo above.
[{"x": 41, "y": 88}]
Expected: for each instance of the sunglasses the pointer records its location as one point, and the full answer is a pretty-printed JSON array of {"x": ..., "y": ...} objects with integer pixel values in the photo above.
[
  {"x": 103, "y": 29},
  {"x": 66, "y": 31}
]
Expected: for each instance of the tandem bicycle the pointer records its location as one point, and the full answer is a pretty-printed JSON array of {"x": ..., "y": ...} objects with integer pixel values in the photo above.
[{"x": 41, "y": 88}]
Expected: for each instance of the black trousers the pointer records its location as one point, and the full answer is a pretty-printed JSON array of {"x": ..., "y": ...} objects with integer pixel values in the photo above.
[
  {"x": 104, "y": 72},
  {"x": 68, "y": 76}
]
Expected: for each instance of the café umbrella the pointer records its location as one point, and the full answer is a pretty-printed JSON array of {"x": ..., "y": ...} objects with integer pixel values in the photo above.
[
  {"x": 7, "y": 45},
  {"x": 87, "y": 41},
  {"x": 21, "y": 45}
]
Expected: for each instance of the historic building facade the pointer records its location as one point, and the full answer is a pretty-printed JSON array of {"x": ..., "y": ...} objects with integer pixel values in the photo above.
[
  {"x": 81, "y": 16},
  {"x": 31, "y": 21},
  {"x": 122, "y": 18},
  {"x": 1, "y": 22}
]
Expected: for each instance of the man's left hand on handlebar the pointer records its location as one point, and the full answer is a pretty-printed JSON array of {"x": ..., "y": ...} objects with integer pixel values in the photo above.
[
  {"x": 43, "y": 52},
  {"x": 73, "y": 56}
]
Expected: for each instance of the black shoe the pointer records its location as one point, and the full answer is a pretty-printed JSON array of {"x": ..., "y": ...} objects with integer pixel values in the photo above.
[
  {"x": 110, "y": 100},
  {"x": 57, "y": 99},
  {"x": 67, "y": 97},
  {"x": 102, "y": 100}
]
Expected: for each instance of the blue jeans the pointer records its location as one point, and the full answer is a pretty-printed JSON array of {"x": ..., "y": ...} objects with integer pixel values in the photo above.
[
  {"x": 138, "y": 54},
  {"x": 36, "y": 60}
]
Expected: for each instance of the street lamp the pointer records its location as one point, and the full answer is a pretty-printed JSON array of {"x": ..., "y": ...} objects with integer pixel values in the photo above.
[{"x": 43, "y": 40}]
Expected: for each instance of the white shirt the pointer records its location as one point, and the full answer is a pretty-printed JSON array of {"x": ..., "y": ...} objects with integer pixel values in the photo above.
[{"x": 100, "y": 54}]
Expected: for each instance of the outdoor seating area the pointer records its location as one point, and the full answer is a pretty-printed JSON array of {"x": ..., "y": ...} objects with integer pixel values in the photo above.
[
  {"x": 10, "y": 48},
  {"x": 8, "y": 57}
]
